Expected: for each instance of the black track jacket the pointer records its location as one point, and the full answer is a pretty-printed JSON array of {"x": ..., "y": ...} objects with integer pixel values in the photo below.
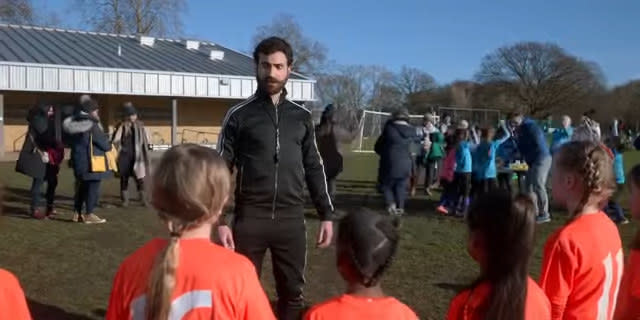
[{"x": 273, "y": 149}]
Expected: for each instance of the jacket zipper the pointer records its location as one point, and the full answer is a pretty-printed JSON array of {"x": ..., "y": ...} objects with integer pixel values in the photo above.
[{"x": 277, "y": 164}]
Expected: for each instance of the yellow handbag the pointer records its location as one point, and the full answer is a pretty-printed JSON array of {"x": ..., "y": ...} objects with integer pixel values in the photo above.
[
  {"x": 112, "y": 159},
  {"x": 98, "y": 163}
]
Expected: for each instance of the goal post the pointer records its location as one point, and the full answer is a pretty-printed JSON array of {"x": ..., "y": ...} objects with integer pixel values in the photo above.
[{"x": 371, "y": 125}]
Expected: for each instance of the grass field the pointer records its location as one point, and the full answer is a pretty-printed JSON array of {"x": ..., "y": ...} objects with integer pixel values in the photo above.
[{"x": 66, "y": 269}]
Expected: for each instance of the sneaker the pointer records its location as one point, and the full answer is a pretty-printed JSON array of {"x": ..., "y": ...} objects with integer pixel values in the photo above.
[
  {"x": 92, "y": 219},
  {"x": 459, "y": 214},
  {"x": 76, "y": 217},
  {"x": 442, "y": 210},
  {"x": 399, "y": 212},
  {"x": 543, "y": 219},
  {"x": 624, "y": 221},
  {"x": 36, "y": 214},
  {"x": 427, "y": 192},
  {"x": 51, "y": 212},
  {"x": 391, "y": 210}
]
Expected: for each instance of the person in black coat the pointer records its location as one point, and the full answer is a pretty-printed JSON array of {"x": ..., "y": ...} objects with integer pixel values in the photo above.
[
  {"x": 86, "y": 136},
  {"x": 41, "y": 155},
  {"x": 396, "y": 163}
]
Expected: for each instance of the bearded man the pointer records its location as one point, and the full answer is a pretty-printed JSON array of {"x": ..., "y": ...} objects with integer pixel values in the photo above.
[{"x": 270, "y": 141}]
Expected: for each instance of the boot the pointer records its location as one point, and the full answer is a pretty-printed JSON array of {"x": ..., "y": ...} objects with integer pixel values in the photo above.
[
  {"x": 143, "y": 198},
  {"x": 124, "y": 196}
]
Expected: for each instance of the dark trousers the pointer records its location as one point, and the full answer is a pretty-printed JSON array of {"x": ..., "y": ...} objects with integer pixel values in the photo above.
[
  {"x": 124, "y": 183},
  {"x": 462, "y": 181},
  {"x": 286, "y": 239},
  {"x": 430, "y": 172},
  {"x": 51, "y": 178},
  {"x": 395, "y": 191},
  {"x": 486, "y": 185},
  {"x": 87, "y": 194},
  {"x": 504, "y": 181},
  {"x": 447, "y": 198},
  {"x": 613, "y": 208}
]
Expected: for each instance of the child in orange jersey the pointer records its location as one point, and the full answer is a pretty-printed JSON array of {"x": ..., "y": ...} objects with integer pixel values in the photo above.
[
  {"x": 366, "y": 245},
  {"x": 583, "y": 261},
  {"x": 501, "y": 234},
  {"x": 13, "y": 305},
  {"x": 188, "y": 276},
  {"x": 628, "y": 306}
]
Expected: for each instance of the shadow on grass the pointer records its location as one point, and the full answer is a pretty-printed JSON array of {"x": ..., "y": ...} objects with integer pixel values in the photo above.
[
  {"x": 47, "y": 312},
  {"x": 20, "y": 195},
  {"x": 455, "y": 287}
]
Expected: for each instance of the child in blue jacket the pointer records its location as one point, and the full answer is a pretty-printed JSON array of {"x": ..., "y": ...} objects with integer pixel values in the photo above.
[
  {"x": 462, "y": 176},
  {"x": 613, "y": 209},
  {"x": 485, "y": 158}
]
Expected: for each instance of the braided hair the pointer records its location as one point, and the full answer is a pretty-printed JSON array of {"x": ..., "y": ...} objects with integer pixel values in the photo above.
[
  {"x": 591, "y": 162},
  {"x": 369, "y": 241}
]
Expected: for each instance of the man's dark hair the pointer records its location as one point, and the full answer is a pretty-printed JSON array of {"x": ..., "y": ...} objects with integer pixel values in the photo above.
[{"x": 272, "y": 45}]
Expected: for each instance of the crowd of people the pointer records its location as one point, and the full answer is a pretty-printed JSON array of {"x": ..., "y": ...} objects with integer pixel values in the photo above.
[
  {"x": 270, "y": 142},
  {"x": 52, "y": 128}
]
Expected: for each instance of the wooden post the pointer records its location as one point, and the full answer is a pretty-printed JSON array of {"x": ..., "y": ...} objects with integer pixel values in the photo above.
[{"x": 174, "y": 121}]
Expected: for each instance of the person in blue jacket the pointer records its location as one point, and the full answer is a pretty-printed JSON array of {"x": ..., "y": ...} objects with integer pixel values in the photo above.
[
  {"x": 485, "y": 158},
  {"x": 561, "y": 135},
  {"x": 613, "y": 209},
  {"x": 535, "y": 151},
  {"x": 507, "y": 154},
  {"x": 462, "y": 176}
]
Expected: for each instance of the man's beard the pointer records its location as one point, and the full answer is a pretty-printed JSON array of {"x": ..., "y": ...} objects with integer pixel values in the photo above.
[{"x": 271, "y": 85}]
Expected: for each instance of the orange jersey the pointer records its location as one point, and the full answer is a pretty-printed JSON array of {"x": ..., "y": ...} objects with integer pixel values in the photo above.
[
  {"x": 211, "y": 283},
  {"x": 13, "y": 305},
  {"x": 582, "y": 268},
  {"x": 353, "y": 307},
  {"x": 471, "y": 304},
  {"x": 628, "y": 306}
]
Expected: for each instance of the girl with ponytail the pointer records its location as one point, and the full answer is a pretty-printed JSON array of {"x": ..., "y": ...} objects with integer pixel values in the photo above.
[{"x": 187, "y": 276}]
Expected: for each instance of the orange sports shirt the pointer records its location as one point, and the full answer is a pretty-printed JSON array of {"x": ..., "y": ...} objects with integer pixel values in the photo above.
[
  {"x": 470, "y": 305},
  {"x": 211, "y": 283},
  {"x": 353, "y": 307},
  {"x": 628, "y": 306},
  {"x": 582, "y": 268},
  {"x": 13, "y": 305}
]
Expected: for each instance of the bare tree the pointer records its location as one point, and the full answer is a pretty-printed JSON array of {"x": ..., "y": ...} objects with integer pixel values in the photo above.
[
  {"x": 540, "y": 76},
  {"x": 309, "y": 55},
  {"x": 356, "y": 86},
  {"x": 412, "y": 80},
  {"x": 147, "y": 17},
  {"x": 16, "y": 12}
]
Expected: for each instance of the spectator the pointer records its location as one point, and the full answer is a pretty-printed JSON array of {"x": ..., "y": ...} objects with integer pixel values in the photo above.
[
  {"x": 395, "y": 160},
  {"x": 426, "y": 162},
  {"x": 132, "y": 141},
  {"x": 561, "y": 135},
  {"x": 534, "y": 150},
  {"x": 88, "y": 139},
  {"x": 41, "y": 156}
]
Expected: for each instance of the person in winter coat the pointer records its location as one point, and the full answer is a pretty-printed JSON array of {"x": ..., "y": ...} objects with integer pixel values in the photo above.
[
  {"x": 533, "y": 146},
  {"x": 41, "y": 155},
  {"x": 393, "y": 146},
  {"x": 87, "y": 139},
  {"x": 132, "y": 141},
  {"x": 426, "y": 164},
  {"x": 337, "y": 126}
]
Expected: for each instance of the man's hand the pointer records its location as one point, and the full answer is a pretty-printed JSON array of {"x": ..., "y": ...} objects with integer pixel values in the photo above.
[
  {"x": 325, "y": 234},
  {"x": 226, "y": 237}
]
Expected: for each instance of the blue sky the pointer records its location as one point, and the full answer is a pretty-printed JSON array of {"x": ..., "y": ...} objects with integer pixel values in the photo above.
[{"x": 445, "y": 38}]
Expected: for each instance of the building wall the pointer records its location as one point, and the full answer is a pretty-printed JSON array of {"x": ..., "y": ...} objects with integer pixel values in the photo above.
[{"x": 199, "y": 119}]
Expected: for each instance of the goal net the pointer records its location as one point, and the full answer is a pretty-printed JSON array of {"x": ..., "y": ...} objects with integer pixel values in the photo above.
[
  {"x": 371, "y": 125},
  {"x": 476, "y": 116}
]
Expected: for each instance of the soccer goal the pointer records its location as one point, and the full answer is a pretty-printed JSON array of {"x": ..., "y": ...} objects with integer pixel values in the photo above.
[
  {"x": 480, "y": 116},
  {"x": 371, "y": 125}
]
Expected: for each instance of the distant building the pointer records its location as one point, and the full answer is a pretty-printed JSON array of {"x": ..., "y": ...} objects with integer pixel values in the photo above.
[{"x": 181, "y": 88}]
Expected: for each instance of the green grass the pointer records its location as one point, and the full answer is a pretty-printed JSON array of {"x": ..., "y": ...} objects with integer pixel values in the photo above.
[{"x": 66, "y": 269}]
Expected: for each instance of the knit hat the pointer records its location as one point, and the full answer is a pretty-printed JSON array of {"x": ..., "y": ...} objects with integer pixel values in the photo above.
[
  {"x": 401, "y": 114},
  {"x": 89, "y": 106},
  {"x": 129, "y": 109}
]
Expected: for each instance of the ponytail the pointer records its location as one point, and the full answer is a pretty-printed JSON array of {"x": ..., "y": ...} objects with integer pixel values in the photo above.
[{"x": 163, "y": 280}]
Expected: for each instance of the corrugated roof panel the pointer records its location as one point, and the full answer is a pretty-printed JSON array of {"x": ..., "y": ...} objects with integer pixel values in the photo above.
[{"x": 75, "y": 48}]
